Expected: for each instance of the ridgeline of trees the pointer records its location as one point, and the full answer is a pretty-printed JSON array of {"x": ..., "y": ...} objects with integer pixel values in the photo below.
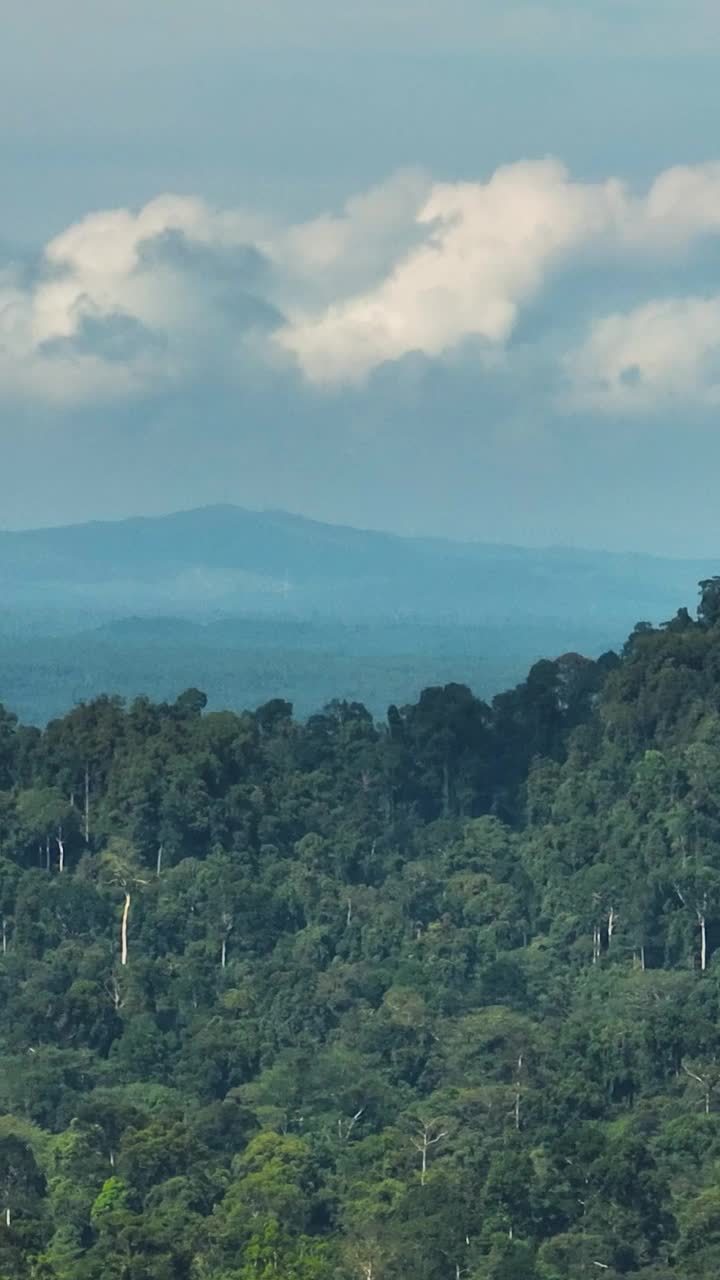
[{"x": 436, "y": 999}]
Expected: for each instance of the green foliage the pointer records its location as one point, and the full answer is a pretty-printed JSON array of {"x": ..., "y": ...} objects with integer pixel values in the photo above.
[{"x": 355, "y": 1001}]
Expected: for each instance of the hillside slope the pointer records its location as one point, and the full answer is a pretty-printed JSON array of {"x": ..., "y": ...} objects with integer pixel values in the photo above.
[
  {"x": 230, "y": 559},
  {"x": 436, "y": 996}
]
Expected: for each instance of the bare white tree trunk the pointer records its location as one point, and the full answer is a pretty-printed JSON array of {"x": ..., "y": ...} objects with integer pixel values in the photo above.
[
  {"x": 124, "y": 930},
  {"x": 7, "y": 1216},
  {"x": 703, "y": 938},
  {"x": 61, "y": 850},
  {"x": 114, "y": 993},
  {"x": 517, "y": 1094},
  {"x": 597, "y": 943},
  {"x": 4, "y": 936},
  {"x": 227, "y": 930},
  {"x": 704, "y": 1085},
  {"x": 423, "y": 1143},
  {"x": 701, "y": 913},
  {"x": 345, "y": 1127},
  {"x": 158, "y": 865},
  {"x": 612, "y": 917}
]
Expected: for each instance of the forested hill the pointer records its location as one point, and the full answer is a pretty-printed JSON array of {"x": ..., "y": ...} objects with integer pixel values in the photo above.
[
  {"x": 337, "y": 1000},
  {"x": 267, "y": 604},
  {"x": 196, "y": 563}
]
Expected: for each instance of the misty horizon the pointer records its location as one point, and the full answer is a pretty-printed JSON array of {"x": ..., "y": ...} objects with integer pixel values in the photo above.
[
  {"x": 305, "y": 516},
  {"x": 478, "y": 302}
]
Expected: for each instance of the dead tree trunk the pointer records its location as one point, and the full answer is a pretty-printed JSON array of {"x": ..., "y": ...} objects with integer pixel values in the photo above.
[
  {"x": 227, "y": 931},
  {"x": 115, "y": 994},
  {"x": 703, "y": 935},
  {"x": 61, "y": 850},
  {"x": 518, "y": 1093},
  {"x": 345, "y": 1127},
  {"x": 701, "y": 913},
  {"x": 704, "y": 1085},
  {"x": 422, "y": 1143},
  {"x": 124, "y": 930}
]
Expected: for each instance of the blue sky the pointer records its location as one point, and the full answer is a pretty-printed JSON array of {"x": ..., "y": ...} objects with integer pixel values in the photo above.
[{"x": 438, "y": 268}]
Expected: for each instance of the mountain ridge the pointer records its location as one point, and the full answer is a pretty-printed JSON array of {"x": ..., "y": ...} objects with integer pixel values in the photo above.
[
  {"x": 300, "y": 520},
  {"x": 233, "y": 559}
]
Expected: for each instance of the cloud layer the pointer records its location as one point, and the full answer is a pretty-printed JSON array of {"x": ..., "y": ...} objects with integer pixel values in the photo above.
[{"x": 124, "y": 304}]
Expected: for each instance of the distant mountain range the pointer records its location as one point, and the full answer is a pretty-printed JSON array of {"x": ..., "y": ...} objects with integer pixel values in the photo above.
[
  {"x": 225, "y": 560},
  {"x": 253, "y": 605}
]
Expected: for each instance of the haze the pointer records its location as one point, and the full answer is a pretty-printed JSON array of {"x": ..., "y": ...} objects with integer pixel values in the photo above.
[{"x": 442, "y": 270}]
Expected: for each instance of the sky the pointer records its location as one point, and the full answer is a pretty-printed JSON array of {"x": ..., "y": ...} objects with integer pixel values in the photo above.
[{"x": 442, "y": 269}]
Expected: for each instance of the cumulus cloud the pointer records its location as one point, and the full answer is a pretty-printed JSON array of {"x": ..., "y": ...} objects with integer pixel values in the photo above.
[
  {"x": 665, "y": 351},
  {"x": 194, "y": 286},
  {"x": 682, "y": 202},
  {"x": 125, "y": 302},
  {"x": 487, "y": 250},
  {"x": 145, "y": 275},
  {"x": 336, "y": 255}
]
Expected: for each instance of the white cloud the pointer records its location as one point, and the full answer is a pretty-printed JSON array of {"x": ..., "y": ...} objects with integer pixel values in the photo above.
[
  {"x": 487, "y": 250},
  {"x": 124, "y": 301},
  {"x": 95, "y": 271},
  {"x": 665, "y": 351},
  {"x": 682, "y": 202},
  {"x": 334, "y": 255},
  {"x": 26, "y": 374},
  {"x": 100, "y": 268}
]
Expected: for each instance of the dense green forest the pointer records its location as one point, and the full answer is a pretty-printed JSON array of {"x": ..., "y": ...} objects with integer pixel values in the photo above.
[
  {"x": 246, "y": 661},
  {"x": 436, "y": 998}
]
